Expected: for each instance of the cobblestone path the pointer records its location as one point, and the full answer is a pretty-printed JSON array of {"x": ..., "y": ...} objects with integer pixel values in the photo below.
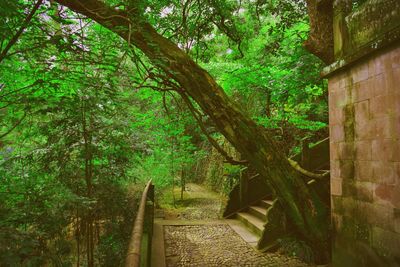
[
  {"x": 216, "y": 245},
  {"x": 208, "y": 245}
]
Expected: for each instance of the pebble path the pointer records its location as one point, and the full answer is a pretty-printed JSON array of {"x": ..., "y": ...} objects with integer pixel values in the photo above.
[{"x": 216, "y": 245}]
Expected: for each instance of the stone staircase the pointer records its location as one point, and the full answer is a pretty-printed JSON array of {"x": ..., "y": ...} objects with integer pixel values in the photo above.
[
  {"x": 255, "y": 216},
  {"x": 252, "y": 201}
]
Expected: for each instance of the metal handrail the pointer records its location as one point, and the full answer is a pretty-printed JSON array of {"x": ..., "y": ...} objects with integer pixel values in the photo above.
[{"x": 134, "y": 249}]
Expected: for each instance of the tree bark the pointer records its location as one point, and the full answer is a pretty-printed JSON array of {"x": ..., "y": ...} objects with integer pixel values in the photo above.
[
  {"x": 320, "y": 39},
  {"x": 307, "y": 212},
  {"x": 87, "y": 137}
]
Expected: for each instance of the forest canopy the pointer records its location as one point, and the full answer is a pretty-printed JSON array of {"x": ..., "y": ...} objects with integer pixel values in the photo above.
[{"x": 86, "y": 118}]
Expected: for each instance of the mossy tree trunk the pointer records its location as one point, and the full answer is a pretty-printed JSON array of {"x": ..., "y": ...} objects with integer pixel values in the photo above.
[
  {"x": 320, "y": 39},
  {"x": 305, "y": 209}
]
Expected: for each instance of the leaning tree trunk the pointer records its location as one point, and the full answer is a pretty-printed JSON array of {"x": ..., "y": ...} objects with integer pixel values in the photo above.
[
  {"x": 320, "y": 39},
  {"x": 304, "y": 208}
]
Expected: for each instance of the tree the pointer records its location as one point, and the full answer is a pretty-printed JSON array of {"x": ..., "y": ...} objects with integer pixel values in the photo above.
[
  {"x": 301, "y": 203},
  {"x": 320, "y": 40},
  {"x": 277, "y": 82},
  {"x": 68, "y": 146}
]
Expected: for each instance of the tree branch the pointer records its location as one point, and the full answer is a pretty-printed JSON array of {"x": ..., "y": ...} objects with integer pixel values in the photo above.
[
  {"x": 298, "y": 168},
  {"x": 15, "y": 38},
  {"x": 320, "y": 39},
  {"x": 12, "y": 128},
  {"x": 23, "y": 88},
  {"x": 213, "y": 142}
]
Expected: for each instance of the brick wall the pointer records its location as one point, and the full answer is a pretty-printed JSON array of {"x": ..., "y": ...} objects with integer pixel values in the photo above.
[{"x": 364, "y": 108}]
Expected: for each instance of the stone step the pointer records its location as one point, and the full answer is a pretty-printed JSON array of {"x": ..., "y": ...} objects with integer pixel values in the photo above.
[
  {"x": 259, "y": 212},
  {"x": 254, "y": 223},
  {"x": 265, "y": 203}
]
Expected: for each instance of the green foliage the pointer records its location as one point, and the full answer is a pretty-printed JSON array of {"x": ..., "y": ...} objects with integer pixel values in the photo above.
[
  {"x": 276, "y": 81},
  {"x": 86, "y": 120},
  {"x": 232, "y": 174}
]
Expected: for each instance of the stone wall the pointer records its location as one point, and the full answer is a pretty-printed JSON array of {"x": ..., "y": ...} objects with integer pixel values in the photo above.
[{"x": 364, "y": 108}]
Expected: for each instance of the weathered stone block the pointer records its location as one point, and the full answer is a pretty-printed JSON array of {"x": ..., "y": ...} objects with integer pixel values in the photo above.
[
  {"x": 396, "y": 220},
  {"x": 346, "y": 150},
  {"x": 384, "y": 193},
  {"x": 395, "y": 150},
  {"x": 372, "y": 68},
  {"x": 350, "y": 207},
  {"x": 336, "y": 221},
  {"x": 334, "y": 168},
  {"x": 396, "y": 100},
  {"x": 384, "y": 127},
  {"x": 362, "y": 111},
  {"x": 375, "y": 66},
  {"x": 337, "y": 79},
  {"x": 386, "y": 59},
  {"x": 365, "y": 130},
  {"x": 360, "y": 73},
  {"x": 395, "y": 200},
  {"x": 376, "y": 214},
  {"x": 337, "y": 99},
  {"x": 384, "y": 172},
  {"x": 336, "y": 116},
  {"x": 348, "y": 123},
  {"x": 363, "y": 90},
  {"x": 360, "y": 191},
  {"x": 333, "y": 84},
  {"x": 349, "y": 190},
  {"x": 365, "y": 191},
  {"x": 369, "y": 23},
  {"x": 346, "y": 80},
  {"x": 346, "y": 168},
  {"x": 396, "y": 126},
  {"x": 334, "y": 150},
  {"x": 382, "y": 149},
  {"x": 336, "y": 187},
  {"x": 380, "y": 106},
  {"x": 396, "y": 196},
  {"x": 363, "y": 150},
  {"x": 337, "y": 206},
  {"x": 336, "y": 133},
  {"x": 392, "y": 81},
  {"x": 378, "y": 85},
  {"x": 363, "y": 170}
]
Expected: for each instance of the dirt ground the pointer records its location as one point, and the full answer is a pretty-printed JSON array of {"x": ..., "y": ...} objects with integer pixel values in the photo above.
[{"x": 198, "y": 203}]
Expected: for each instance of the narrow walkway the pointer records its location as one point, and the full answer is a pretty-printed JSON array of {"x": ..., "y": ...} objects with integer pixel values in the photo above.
[
  {"x": 198, "y": 203},
  {"x": 197, "y": 236}
]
